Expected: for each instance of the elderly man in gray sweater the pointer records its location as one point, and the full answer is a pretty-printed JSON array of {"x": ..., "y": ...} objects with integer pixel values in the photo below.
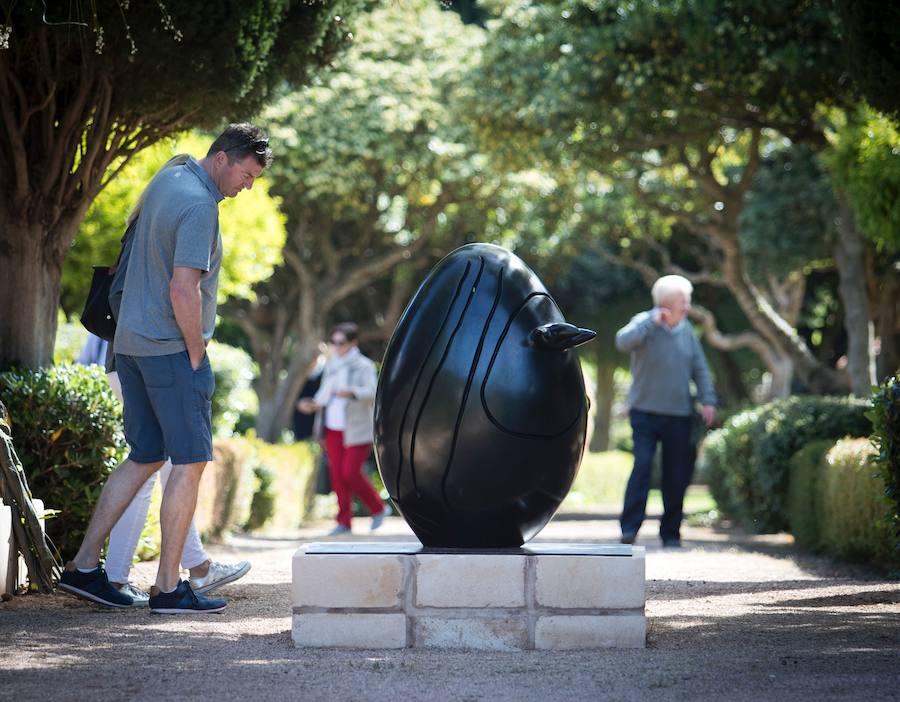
[{"x": 665, "y": 357}]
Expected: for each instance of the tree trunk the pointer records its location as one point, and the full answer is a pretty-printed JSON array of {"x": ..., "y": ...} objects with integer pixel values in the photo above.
[
  {"x": 604, "y": 395},
  {"x": 771, "y": 326},
  {"x": 889, "y": 299},
  {"x": 278, "y": 389},
  {"x": 29, "y": 295},
  {"x": 848, "y": 255}
]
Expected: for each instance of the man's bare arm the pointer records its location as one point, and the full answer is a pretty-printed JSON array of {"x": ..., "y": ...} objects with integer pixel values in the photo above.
[{"x": 184, "y": 291}]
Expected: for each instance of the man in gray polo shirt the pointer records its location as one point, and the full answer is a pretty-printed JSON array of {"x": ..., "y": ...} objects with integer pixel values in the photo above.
[
  {"x": 166, "y": 318},
  {"x": 665, "y": 357}
]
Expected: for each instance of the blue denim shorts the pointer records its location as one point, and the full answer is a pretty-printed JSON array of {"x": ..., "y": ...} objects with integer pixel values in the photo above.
[{"x": 167, "y": 408}]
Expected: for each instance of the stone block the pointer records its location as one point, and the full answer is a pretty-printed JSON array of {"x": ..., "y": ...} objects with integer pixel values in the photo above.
[
  {"x": 356, "y": 630},
  {"x": 458, "y": 580},
  {"x": 346, "y": 580},
  {"x": 492, "y": 634},
  {"x": 594, "y": 582},
  {"x": 561, "y": 632}
]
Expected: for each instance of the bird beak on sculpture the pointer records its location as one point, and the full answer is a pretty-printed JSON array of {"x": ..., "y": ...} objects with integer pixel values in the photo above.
[{"x": 559, "y": 336}]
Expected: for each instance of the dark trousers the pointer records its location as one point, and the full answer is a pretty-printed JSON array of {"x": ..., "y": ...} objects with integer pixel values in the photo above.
[{"x": 678, "y": 454}]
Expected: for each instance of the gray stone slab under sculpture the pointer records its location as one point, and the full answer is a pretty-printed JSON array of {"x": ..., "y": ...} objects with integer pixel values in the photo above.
[{"x": 481, "y": 413}]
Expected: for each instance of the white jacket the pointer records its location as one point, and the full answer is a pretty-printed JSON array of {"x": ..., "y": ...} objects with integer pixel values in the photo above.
[{"x": 362, "y": 381}]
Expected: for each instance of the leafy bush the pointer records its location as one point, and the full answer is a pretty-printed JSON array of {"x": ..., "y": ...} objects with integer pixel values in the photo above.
[
  {"x": 720, "y": 452},
  {"x": 262, "y": 508},
  {"x": 234, "y": 370},
  {"x": 805, "y": 493},
  {"x": 885, "y": 416},
  {"x": 853, "y": 523},
  {"x": 226, "y": 489},
  {"x": 293, "y": 469},
  {"x": 67, "y": 428},
  {"x": 748, "y": 459}
]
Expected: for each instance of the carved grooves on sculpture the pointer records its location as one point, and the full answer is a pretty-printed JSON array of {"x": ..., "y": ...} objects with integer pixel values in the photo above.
[
  {"x": 437, "y": 370},
  {"x": 490, "y": 367},
  {"x": 468, "y": 387}
]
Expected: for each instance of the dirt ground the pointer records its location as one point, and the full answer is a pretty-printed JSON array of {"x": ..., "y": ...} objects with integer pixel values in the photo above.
[{"x": 729, "y": 617}]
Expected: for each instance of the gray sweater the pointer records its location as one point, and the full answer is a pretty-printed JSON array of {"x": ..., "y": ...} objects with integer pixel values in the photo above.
[{"x": 663, "y": 362}]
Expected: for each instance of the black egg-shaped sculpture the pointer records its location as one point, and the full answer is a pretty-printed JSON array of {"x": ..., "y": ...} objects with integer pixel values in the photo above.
[{"x": 481, "y": 413}]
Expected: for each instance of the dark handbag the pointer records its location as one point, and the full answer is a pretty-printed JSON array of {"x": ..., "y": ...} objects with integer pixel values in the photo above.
[{"x": 97, "y": 316}]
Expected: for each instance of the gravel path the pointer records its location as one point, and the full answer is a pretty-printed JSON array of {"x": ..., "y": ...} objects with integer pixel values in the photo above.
[{"x": 729, "y": 617}]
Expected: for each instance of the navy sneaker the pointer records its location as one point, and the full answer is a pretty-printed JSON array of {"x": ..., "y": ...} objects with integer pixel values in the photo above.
[
  {"x": 93, "y": 586},
  {"x": 183, "y": 600}
]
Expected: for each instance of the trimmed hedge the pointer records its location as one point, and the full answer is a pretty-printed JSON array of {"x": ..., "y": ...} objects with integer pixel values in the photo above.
[
  {"x": 747, "y": 460},
  {"x": 885, "y": 416},
  {"x": 853, "y": 524},
  {"x": 805, "y": 494},
  {"x": 67, "y": 429}
]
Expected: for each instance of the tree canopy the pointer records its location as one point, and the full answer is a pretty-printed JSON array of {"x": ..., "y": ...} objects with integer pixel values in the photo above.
[
  {"x": 85, "y": 88},
  {"x": 252, "y": 227}
]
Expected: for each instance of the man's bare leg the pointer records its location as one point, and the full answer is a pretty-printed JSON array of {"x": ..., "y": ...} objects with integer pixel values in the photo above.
[
  {"x": 120, "y": 489},
  {"x": 175, "y": 514}
]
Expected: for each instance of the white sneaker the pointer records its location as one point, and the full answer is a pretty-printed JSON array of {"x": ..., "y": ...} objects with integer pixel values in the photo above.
[
  {"x": 139, "y": 598},
  {"x": 219, "y": 574}
]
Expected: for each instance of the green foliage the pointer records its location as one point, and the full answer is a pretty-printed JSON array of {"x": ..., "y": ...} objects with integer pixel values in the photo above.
[
  {"x": 195, "y": 79},
  {"x": 789, "y": 214},
  {"x": 804, "y": 503},
  {"x": 853, "y": 523},
  {"x": 252, "y": 227},
  {"x": 67, "y": 429},
  {"x": 613, "y": 77},
  {"x": 376, "y": 129},
  {"x": 885, "y": 416},
  {"x": 293, "y": 471},
  {"x": 865, "y": 160},
  {"x": 748, "y": 459},
  {"x": 262, "y": 508},
  {"x": 234, "y": 371}
]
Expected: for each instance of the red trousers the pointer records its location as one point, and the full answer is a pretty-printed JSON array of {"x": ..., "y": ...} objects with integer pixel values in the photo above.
[{"x": 345, "y": 467}]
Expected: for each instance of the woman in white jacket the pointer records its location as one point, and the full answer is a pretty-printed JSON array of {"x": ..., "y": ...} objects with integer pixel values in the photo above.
[{"x": 344, "y": 405}]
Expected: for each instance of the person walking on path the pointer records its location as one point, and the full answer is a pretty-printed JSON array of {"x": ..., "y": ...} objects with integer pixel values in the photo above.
[
  {"x": 344, "y": 407},
  {"x": 665, "y": 357},
  {"x": 166, "y": 318}
]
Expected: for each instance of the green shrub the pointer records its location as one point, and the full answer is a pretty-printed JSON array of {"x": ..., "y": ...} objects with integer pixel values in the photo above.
[
  {"x": 853, "y": 523},
  {"x": 720, "y": 452},
  {"x": 293, "y": 467},
  {"x": 885, "y": 416},
  {"x": 748, "y": 459},
  {"x": 233, "y": 370},
  {"x": 805, "y": 493},
  {"x": 67, "y": 429},
  {"x": 226, "y": 489},
  {"x": 262, "y": 508}
]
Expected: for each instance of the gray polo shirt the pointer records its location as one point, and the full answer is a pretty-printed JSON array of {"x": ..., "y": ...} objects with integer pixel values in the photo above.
[
  {"x": 663, "y": 363},
  {"x": 178, "y": 226}
]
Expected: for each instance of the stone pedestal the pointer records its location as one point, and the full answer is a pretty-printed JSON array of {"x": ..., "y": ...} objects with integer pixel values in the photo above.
[{"x": 399, "y": 595}]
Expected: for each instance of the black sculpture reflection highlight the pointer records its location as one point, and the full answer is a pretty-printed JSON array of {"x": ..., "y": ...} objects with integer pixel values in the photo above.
[{"x": 480, "y": 415}]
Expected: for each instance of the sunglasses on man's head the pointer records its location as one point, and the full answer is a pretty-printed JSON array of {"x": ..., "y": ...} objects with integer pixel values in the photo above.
[
  {"x": 339, "y": 342},
  {"x": 258, "y": 146}
]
